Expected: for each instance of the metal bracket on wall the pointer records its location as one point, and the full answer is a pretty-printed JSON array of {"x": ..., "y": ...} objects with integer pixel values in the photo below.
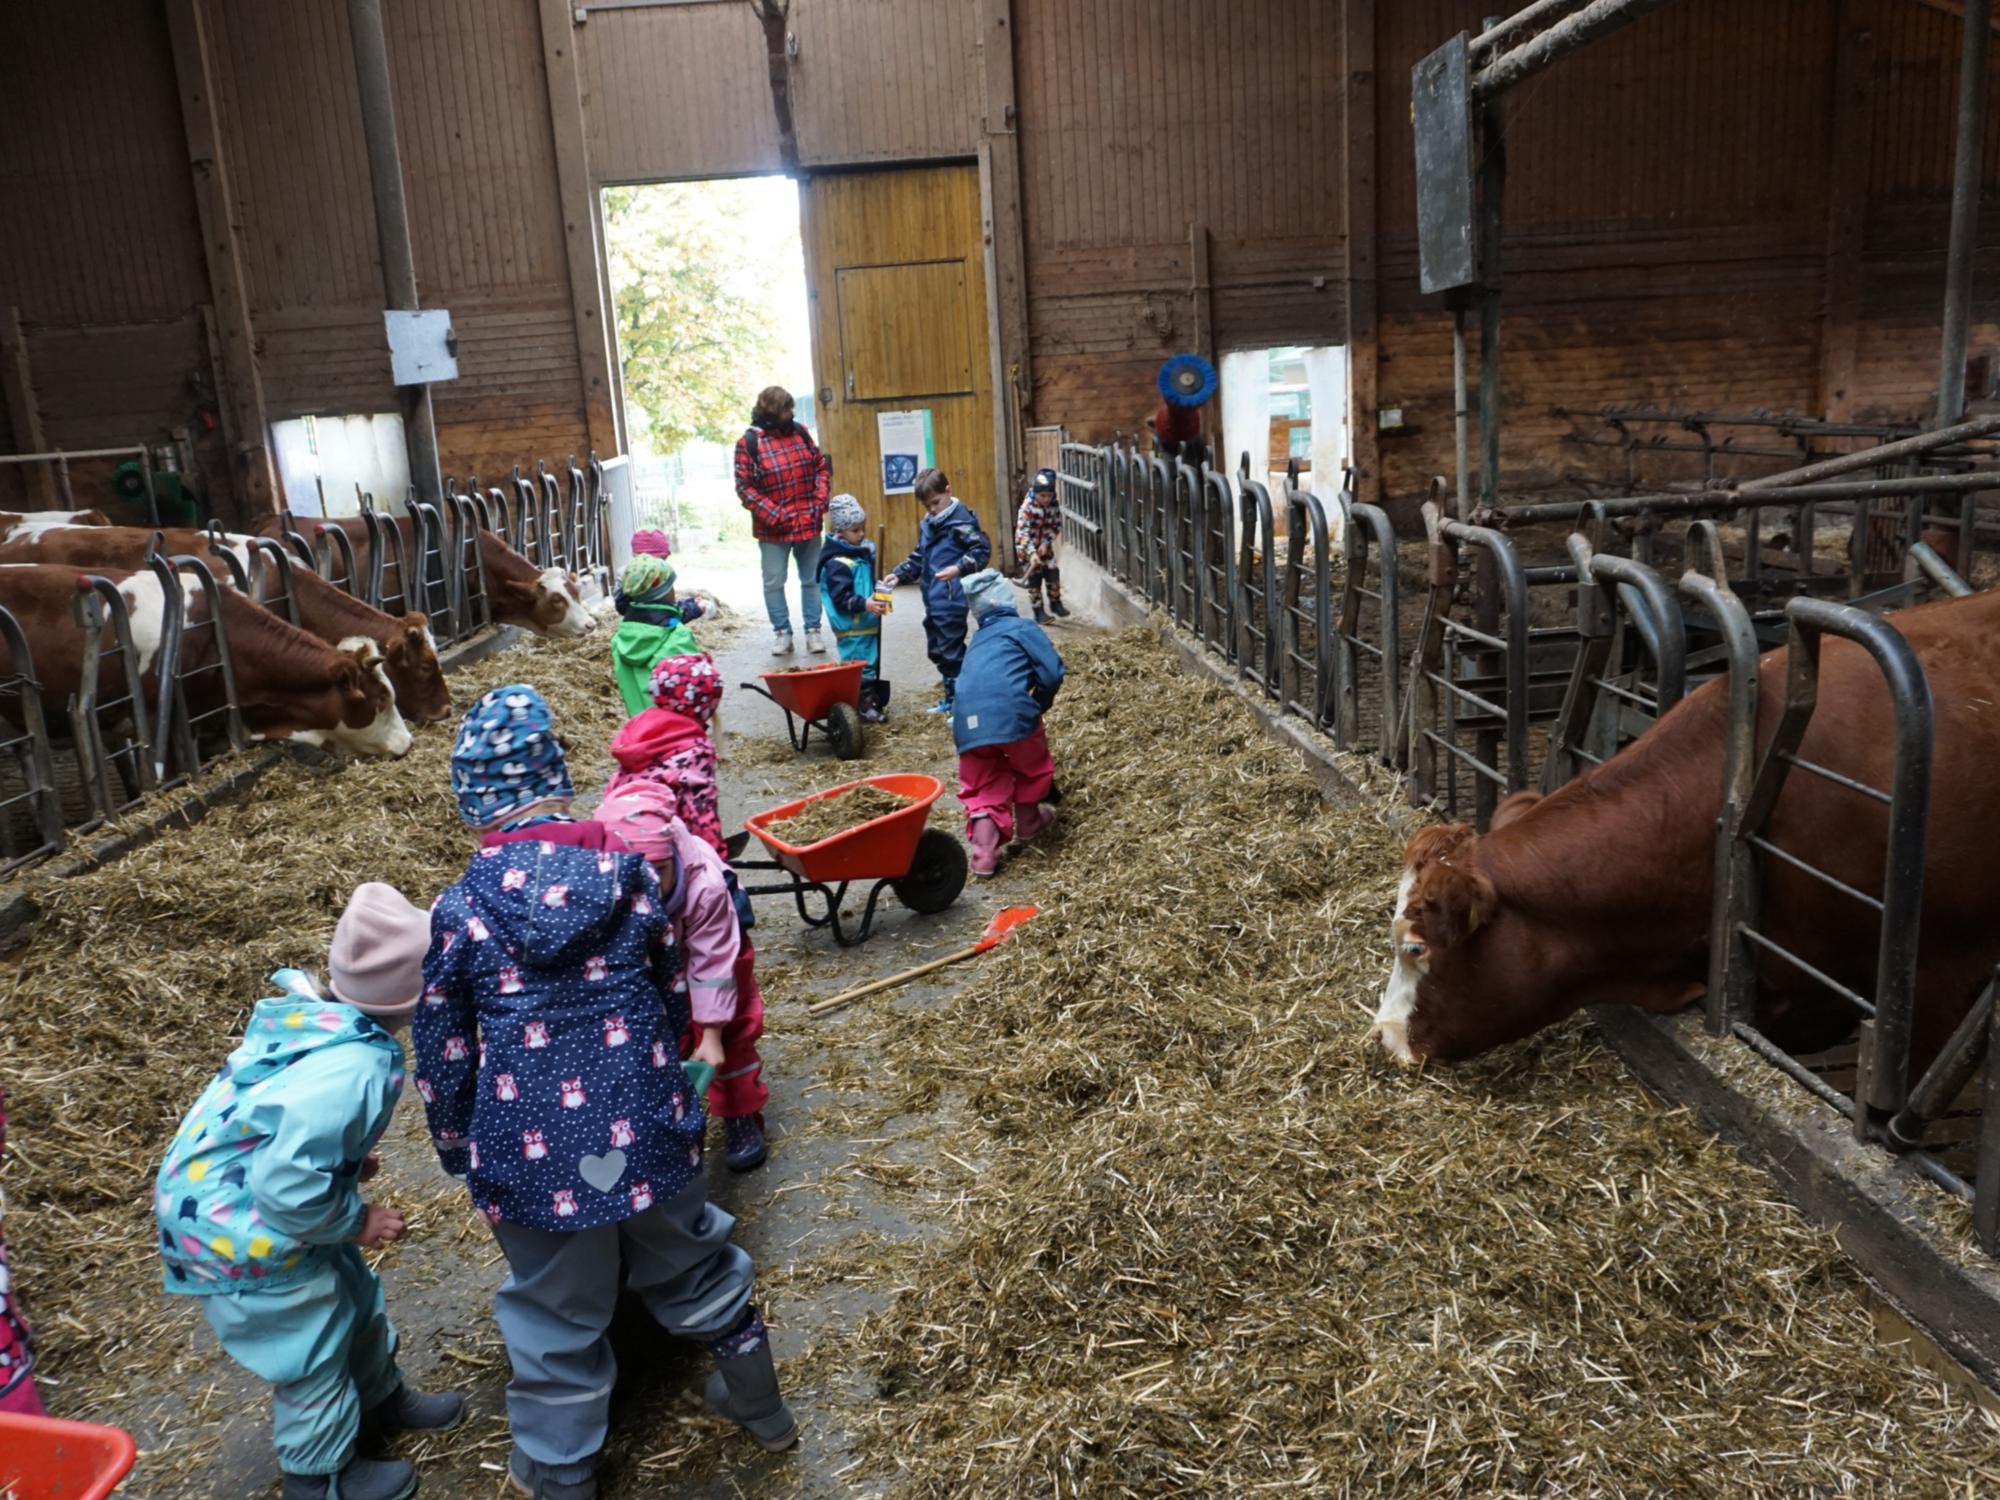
[{"x": 583, "y": 11}]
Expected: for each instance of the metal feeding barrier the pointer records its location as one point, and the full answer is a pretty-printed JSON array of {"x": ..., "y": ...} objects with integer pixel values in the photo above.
[
  {"x": 29, "y": 751},
  {"x": 1525, "y": 674}
]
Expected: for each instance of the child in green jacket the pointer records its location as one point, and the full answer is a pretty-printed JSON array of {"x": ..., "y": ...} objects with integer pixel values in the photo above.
[{"x": 654, "y": 629}]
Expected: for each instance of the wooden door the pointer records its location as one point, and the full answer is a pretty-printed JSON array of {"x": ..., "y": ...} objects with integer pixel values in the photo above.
[{"x": 896, "y": 274}]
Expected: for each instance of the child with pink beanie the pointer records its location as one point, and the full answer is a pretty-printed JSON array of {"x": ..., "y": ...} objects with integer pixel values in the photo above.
[
  {"x": 261, "y": 1215},
  {"x": 724, "y": 1003}
]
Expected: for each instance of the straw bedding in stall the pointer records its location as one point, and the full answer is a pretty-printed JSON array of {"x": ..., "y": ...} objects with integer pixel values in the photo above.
[{"x": 1211, "y": 1243}]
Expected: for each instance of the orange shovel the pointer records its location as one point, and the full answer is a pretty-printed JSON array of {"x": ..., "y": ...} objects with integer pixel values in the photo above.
[{"x": 995, "y": 933}]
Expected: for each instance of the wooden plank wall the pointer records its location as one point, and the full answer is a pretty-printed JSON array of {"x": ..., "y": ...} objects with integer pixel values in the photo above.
[
  {"x": 99, "y": 245},
  {"x": 679, "y": 92},
  {"x": 1668, "y": 200},
  {"x": 473, "y": 116},
  {"x": 1140, "y": 125}
]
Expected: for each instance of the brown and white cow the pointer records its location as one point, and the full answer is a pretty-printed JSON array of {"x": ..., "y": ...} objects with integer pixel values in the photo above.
[
  {"x": 15, "y": 523},
  {"x": 290, "y": 686},
  {"x": 546, "y": 601},
  {"x": 1600, "y": 893},
  {"x": 409, "y": 655}
]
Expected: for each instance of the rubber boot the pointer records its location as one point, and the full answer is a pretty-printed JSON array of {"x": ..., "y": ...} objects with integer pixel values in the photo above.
[
  {"x": 743, "y": 1142},
  {"x": 414, "y": 1411},
  {"x": 745, "y": 1390},
  {"x": 984, "y": 835},
  {"x": 1030, "y": 819},
  {"x": 359, "y": 1479},
  {"x": 536, "y": 1481},
  {"x": 1041, "y": 615}
]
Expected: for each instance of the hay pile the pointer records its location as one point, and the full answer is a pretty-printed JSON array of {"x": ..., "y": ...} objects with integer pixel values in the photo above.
[
  {"x": 825, "y": 816},
  {"x": 140, "y": 976},
  {"x": 1208, "y": 1242}
]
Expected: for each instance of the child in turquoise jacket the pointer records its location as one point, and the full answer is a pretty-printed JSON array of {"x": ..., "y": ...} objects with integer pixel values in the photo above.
[
  {"x": 846, "y": 587},
  {"x": 261, "y": 1216}
]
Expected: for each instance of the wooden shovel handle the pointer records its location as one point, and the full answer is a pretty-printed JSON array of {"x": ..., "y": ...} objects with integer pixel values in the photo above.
[{"x": 848, "y": 997}]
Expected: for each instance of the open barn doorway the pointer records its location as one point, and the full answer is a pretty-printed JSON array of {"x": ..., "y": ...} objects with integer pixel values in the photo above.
[
  {"x": 708, "y": 294},
  {"x": 1286, "y": 404}
]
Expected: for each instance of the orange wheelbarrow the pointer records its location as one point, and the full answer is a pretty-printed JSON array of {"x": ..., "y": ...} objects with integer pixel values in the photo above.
[
  {"x": 925, "y": 867},
  {"x": 46, "y": 1456},
  {"x": 825, "y": 698}
]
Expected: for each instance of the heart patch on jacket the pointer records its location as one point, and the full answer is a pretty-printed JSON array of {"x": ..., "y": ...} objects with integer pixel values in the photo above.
[{"x": 602, "y": 1172}]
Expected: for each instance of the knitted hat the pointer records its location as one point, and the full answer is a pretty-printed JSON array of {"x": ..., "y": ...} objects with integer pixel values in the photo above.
[
  {"x": 645, "y": 815},
  {"x": 650, "y": 543},
  {"x": 986, "y": 591},
  {"x": 845, "y": 511},
  {"x": 647, "y": 579},
  {"x": 689, "y": 685},
  {"x": 507, "y": 757},
  {"x": 376, "y": 963},
  {"x": 1045, "y": 481}
]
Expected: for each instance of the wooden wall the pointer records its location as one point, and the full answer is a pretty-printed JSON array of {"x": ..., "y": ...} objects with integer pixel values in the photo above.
[
  {"x": 99, "y": 247},
  {"x": 1732, "y": 203},
  {"x": 472, "y": 112},
  {"x": 684, "y": 91},
  {"x": 1145, "y": 130},
  {"x": 1670, "y": 194}
]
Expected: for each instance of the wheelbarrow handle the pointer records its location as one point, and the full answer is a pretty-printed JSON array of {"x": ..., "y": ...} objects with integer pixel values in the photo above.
[{"x": 760, "y": 691}]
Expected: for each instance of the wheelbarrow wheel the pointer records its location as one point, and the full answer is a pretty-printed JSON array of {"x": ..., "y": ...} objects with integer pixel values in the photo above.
[
  {"x": 937, "y": 874},
  {"x": 844, "y": 731}
]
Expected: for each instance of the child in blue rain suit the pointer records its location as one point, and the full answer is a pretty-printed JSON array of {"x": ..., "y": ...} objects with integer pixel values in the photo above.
[
  {"x": 261, "y": 1216},
  {"x": 547, "y": 1050},
  {"x": 846, "y": 584},
  {"x": 950, "y": 544}
]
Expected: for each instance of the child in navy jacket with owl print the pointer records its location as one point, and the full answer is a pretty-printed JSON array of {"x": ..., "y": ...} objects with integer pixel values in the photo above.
[{"x": 548, "y": 1062}]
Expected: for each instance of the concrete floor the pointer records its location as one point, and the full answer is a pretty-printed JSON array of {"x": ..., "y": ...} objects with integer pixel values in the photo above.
[{"x": 821, "y": 1189}]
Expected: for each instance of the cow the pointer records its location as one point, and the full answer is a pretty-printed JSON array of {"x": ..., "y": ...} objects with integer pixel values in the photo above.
[
  {"x": 1600, "y": 893},
  {"x": 545, "y": 601},
  {"x": 15, "y": 523},
  {"x": 409, "y": 655},
  {"x": 289, "y": 685}
]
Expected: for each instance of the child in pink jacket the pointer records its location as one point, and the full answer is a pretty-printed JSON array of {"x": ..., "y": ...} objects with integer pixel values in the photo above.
[
  {"x": 720, "y": 965},
  {"x": 671, "y": 745}
]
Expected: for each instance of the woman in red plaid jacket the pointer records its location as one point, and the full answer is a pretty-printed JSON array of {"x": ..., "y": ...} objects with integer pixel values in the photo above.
[{"x": 782, "y": 479}]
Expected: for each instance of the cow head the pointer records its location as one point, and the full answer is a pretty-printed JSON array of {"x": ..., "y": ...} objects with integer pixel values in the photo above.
[
  {"x": 410, "y": 657},
  {"x": 1452, "y": 990},
  {"x": 368, "y": 722},
  {"x": 549, "y": 604}
]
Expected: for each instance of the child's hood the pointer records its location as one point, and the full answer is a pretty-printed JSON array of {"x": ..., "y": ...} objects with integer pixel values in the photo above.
[
  {"x": 650, "y": 737},
  {"x": 285, "y": 1027},
  {"x": 835, "y": 547},
  {"x": 550, "y": 904}
]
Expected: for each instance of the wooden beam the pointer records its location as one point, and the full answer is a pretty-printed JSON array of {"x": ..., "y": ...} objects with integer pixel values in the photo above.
[
  {"x": 1201, "y": 292},
  {"x": 1847, "y": 212},
  {"x": 253, "y": 478},
  {"x": 1363, "y": 339},
  {"x": 577, "y": 194},
  {"x": 24, "y": 413},
  {"x": 1013, "y": 392}
]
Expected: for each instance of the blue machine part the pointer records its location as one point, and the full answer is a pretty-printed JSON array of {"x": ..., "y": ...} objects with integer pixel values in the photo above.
[{"x": 1187, "y": 380}]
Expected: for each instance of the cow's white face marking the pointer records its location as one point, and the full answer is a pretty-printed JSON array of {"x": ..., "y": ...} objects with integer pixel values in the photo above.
[
  {"x": 576, "y": 620},
  {"x": 388, "y": 734},
  {"x": 1406, "y": 967},
  {"x": 145, "y": 605}
]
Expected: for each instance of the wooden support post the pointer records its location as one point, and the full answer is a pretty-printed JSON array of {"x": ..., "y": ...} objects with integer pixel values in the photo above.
[
  {"x": 1363, "y": 340},
  {"x": 1202, "y": 293},
  {"x": 24, "y": 414},
  {"x": 579, "y": 213},
  {"x": 1006, "y": 253},
  {"x": 1847, "y": 212},
  {"x": 242, "y": 384}
]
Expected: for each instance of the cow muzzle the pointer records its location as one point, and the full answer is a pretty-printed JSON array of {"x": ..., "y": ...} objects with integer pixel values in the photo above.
[{"x": 1395, "y": 1039}]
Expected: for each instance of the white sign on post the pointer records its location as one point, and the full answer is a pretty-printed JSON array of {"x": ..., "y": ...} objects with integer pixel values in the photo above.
[{"x": 904, "y": 438}]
